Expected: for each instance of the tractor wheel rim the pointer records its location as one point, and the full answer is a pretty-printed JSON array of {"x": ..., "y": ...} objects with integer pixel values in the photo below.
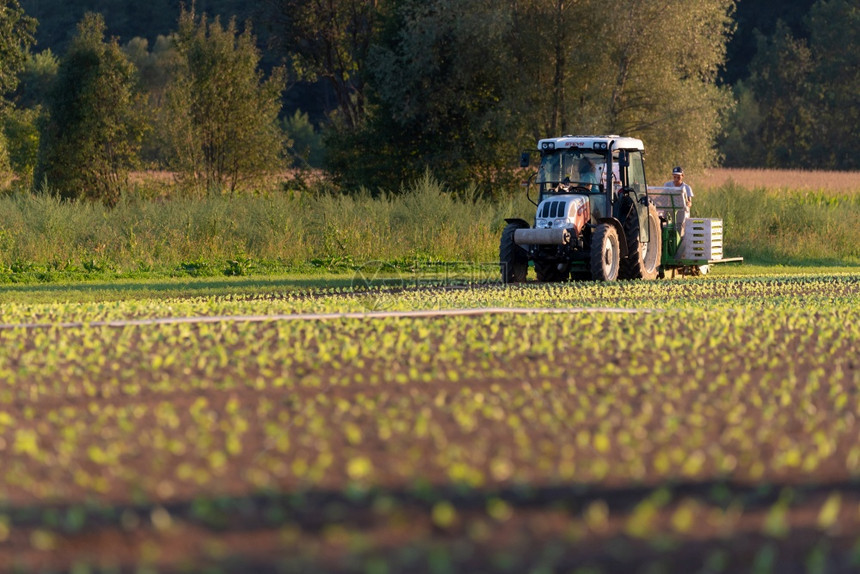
[
  {"x": 649, "y": 253},
  {"x": 608, "y": 256},
  {"x": 649, "y": 256}
]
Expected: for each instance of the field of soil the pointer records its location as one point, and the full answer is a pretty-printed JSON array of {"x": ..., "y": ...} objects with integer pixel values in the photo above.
[
  {"x": 848, "y": 181},
  {"x": 714, "y": 429}
]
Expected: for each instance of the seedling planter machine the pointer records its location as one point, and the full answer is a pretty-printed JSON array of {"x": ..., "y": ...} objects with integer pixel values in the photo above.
[{"x": 597, "y": 219}]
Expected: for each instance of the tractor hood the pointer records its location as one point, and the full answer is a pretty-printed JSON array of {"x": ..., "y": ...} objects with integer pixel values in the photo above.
[{"x": 563, "y": 212}]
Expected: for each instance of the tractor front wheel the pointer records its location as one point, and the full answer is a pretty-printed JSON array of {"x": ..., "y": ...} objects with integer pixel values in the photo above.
[
  {"x": 605, "y": 253},
  {"x": 513, "y": 259}
]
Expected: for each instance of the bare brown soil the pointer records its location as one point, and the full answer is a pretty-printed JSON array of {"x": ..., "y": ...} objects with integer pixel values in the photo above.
[
  {"x": 781, "y": 178},
  {"x": 554, "y": 532}
]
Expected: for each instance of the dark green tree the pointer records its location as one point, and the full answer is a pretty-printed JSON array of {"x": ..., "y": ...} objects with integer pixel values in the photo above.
[
  {"x": 460, "y": 85},
  {"x": 21, "y": 123},
  {"x": 154, "y": 65},
  {"x": 649, "y": 70},
  {"x": 740, "y": 142},
  {"x": 155, "y": 68},
  {"x": 221, "y": 114},
  {"x": 328, "y": 41},
  {"x": 801, "y": 104},
  {"x": 16, "y": 37},
  {"x": 124, "y": 19},
  {"x": 834, "y": 89},
  {"x": 306, "y": 145},
  {"x": 753, "y": 18},
  {"x": 21, "y": 126},
  {"x": 6, "y": 175},
  {"x": 91, "y": 137},
  {"x": 781, "y": 82},
  {"x": 442, "y": 79},
  {"x": 36, "y": 78}
]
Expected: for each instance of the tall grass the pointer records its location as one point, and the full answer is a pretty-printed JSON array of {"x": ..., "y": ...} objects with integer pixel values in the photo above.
[
  {"x": 43, "y": 236},
  {"x": 230, "y": 234}
]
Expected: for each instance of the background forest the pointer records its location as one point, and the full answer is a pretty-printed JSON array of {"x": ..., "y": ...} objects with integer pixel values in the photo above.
[{"x": 377, "y": 92}]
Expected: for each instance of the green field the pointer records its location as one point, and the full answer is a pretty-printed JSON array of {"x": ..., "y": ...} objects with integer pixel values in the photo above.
[
  {"x": 698, "y": 425},
  {"x": 313, "y": 382}
]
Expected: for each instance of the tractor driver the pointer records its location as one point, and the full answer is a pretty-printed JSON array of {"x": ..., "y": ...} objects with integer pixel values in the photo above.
[{"x": 587, "y": 173}]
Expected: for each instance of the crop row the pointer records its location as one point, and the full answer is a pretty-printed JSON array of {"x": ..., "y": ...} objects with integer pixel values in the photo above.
[
  {"x": 450, "y": 421},
  {"x": 406, "y": 293},
  {"x": 690, "y": 393}
]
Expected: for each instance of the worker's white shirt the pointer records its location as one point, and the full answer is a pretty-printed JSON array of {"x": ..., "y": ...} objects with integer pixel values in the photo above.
[{"x": 686, "y": 190}]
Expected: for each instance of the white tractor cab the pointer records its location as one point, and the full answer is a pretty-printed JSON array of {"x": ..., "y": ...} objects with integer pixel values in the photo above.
[{"x": 597, "y": 219}]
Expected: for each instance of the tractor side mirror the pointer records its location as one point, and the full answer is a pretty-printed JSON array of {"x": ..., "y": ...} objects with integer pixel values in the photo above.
[{"x": 525, "y": 159}]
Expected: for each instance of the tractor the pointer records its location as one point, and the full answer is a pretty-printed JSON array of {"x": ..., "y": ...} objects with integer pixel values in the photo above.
[{"x": 597, "y": 219}]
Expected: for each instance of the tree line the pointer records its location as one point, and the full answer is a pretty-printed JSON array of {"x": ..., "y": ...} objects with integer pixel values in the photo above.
[
  {"x": 196, "y": 104},
  {"x": 799, "y": 105},
  {"x": 456, "y": 87},
  {"x": 460, "y": 86}
]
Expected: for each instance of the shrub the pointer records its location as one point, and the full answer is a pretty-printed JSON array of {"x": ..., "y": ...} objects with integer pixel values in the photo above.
[
  {"x": 221, "y": 117},
  {"x": 92, "y": 136}
]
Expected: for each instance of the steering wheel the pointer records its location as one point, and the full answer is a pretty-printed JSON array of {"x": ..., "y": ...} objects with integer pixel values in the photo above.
[{"x": 578, "y": 189}]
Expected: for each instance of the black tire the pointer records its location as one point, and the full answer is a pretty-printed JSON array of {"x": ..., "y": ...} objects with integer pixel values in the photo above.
[
  {"x": 547, "y": 272},
  {"x": 605, "y": 253},
  {"x": 513, "y": 259},
  {"x": 643, "y": 259}
]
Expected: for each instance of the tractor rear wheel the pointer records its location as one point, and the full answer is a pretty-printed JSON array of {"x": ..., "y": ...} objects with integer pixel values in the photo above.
[
  {"x": 513, "y": 259},
  {"x": 605, "y": 253},
  {"x": 643, "y": 259}
]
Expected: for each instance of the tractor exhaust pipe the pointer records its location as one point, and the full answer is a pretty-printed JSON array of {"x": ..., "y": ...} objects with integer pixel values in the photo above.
[{"x": 542, "y": 236}]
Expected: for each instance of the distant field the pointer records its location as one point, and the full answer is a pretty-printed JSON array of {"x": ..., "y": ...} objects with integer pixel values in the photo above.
[{"x": 786, "y": 178}]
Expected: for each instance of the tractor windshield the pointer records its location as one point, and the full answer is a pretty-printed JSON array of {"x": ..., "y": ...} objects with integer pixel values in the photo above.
[{"x": 563, "y": 170}]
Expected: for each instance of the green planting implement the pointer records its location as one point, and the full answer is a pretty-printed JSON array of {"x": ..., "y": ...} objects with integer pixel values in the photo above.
[{"x": 690, "y": 244}]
